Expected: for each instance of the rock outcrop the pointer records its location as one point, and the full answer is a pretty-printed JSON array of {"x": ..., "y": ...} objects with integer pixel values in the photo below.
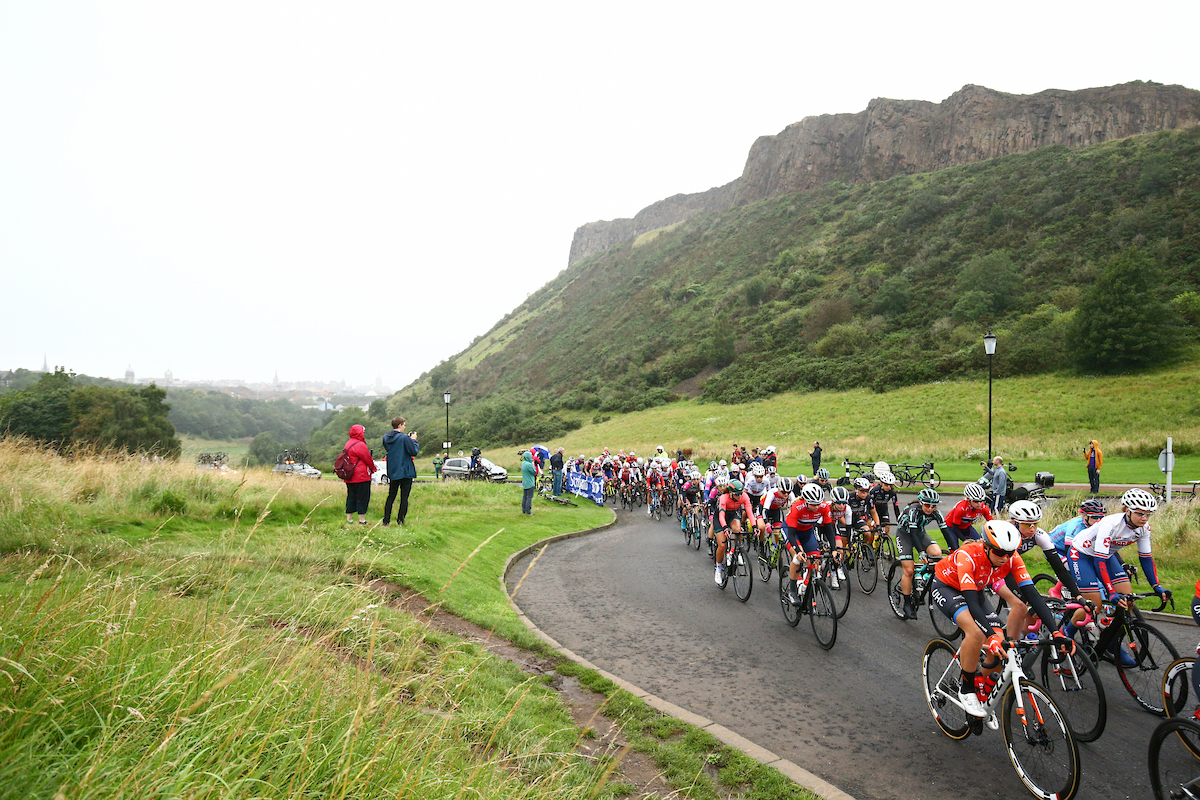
[{"x": 897, "y": 137}]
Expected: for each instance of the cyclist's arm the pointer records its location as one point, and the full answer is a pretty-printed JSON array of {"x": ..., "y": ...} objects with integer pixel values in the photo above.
[
  {"x": 978, "y": 613},
  {"x": 1019, "y": 582},
  {"x": 1061, "y": 572}
]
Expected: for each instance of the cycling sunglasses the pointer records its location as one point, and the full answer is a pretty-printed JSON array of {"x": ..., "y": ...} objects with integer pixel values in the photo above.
[
  {"x": 1002, "y": 553},
  {"x": 928, "y": 505}
]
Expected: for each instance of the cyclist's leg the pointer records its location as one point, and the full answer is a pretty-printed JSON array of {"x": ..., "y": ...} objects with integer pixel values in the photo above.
[{"x": 1018, "y": 612}]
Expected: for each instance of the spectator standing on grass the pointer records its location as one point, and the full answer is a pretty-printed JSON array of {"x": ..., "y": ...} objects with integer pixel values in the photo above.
[
  {"x": 1094, "y": 458},
  {"x": 528, "y": 481},
  {"x": 358, "y": 485},
  {"x": 815, "y": 455},
  {"x": 401, "y": 448},
  {"x": 556, "y": 468},
  {"x": 998, "y": 475},
  {"x": 438, "y": 461}
]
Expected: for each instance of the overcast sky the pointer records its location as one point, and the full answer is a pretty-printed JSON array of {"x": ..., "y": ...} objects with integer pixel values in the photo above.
[{"x": 356, "y": 190}]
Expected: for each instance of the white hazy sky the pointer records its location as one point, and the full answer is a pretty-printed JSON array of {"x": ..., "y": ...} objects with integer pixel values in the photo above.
[{"x": 230, "y": 189}]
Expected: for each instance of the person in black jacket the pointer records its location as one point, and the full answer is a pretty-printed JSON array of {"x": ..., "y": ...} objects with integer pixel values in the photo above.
[{"x": 556, "y": 471}]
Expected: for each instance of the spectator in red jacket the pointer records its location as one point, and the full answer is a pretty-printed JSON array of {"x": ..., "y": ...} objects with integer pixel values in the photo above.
[{"x": 358, "y": 486}]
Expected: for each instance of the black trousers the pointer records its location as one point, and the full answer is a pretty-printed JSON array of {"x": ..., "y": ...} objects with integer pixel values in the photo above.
[
  {"x": 404, "y": 486},
  {"x": 358, "y": 497}
]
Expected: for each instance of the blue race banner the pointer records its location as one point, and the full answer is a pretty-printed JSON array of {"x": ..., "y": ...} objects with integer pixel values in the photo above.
[{"x": 582, "y": 485}]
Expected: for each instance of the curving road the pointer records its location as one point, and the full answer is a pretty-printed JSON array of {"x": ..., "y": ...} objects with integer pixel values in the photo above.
[{"x": 635, "y": 602}]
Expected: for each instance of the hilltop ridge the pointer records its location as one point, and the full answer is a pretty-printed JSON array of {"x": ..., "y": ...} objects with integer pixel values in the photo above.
[{"x": 905, "y": 137}]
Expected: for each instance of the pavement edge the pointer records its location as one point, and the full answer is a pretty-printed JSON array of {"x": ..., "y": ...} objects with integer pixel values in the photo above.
[{"x": 795, "y": 772}]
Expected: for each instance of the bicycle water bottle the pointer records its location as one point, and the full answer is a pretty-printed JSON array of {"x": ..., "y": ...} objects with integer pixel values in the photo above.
[
  {"x": 985, "y": 685},
  {"x": 729, "y": 556}
]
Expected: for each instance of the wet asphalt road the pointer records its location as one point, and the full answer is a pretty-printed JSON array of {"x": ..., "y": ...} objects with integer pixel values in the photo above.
[{"x": 636, "y": 603}]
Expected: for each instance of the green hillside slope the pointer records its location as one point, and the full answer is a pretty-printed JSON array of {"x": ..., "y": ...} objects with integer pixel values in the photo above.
[{"x": 876, "y": 286}]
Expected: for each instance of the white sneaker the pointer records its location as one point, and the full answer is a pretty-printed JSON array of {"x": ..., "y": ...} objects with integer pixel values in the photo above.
[
  {"x": 992, "y": 723},
  {"x": 970, "y": 703},
  {"x": 717, "y": 576},
  {"x": 841, "y": 573},
  {"x": 833, "y": 581}
]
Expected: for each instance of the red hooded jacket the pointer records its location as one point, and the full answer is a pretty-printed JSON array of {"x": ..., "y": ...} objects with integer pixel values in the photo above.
[{"x": 356, "y": 446}]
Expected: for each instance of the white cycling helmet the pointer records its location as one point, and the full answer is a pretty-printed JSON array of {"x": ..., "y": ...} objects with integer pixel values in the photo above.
[
  {"x": 823, "y": 474},
  {"x": 1001, "y": 535},
  {"x": 640, "y": 462},
  {"x": 886, "y": 477},
  {"x": 759, "y": 470},
  {"x": 840, "y": 494},
  {"x": 1139, "y": 500},
  {"x": 1024, "y": 511},
  {"x": 785, "y": 485},
  {"x": 722, "y": 477},
  {"x": 974, "y": 492},
  {"x": 812, "y": 493},
  {"x": 723, "y": 463},
  {"x": 862, "y": 483}
]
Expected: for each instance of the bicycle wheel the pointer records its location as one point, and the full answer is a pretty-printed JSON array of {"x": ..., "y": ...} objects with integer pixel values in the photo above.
[
  {"x": 1177, "y": 686},
  {"x": 686, "y": 529},
  {"x": 1044, "y": 582},
  {"x": 728, "y": 569},
  {"x": 933, "y": 480},
  {"x": 943, "y": 679},
  {"x": 766, "y": 562},
  {"x": 885, "y": 551},
  {"x": 743, "y": 576},
  {"x": 839, "y": 588},
  {"x": 868, "y": 569},
  {"x": 1075, "y": 686},
  {"x": 1173, "y": 768},
  {"x": 1039, "y": 741},
  {"x": 701, "y": 528},
  {"x": 945, "y": 627},
  {"x": 1153, "y": 654},
  {"x": 821, "y": 613},
  {"x": 791, "y": 613},
  {"x": 895, "y": 599}
]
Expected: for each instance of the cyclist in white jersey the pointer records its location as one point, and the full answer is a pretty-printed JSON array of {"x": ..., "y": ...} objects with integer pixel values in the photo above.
[{"x": 1093, "y": 551}]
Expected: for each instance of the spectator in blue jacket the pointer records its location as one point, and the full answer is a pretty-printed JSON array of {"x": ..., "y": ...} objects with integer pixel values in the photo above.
[{"x": 401, "y": 448}]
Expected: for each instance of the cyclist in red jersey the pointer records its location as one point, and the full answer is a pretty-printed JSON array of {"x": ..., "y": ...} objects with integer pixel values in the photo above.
[
  {"x": 960, "y": 521},
  {"x": 957, "y": 590},
  {"x": 727, "y": 519},
  {"x": 807, "y": 517}
]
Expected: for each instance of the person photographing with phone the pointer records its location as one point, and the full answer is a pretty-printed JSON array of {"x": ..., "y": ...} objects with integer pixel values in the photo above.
[{"x": 401, "y": 448}]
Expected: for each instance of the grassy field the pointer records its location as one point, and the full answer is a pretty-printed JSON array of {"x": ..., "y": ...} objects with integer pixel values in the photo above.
[
  {"x": 194, "y": 445},
  {"x": 1039, "y": 423},
  {"x": 170, "y": 632}
]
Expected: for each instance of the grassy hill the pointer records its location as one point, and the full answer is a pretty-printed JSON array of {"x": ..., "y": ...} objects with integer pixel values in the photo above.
[
  {"x": 1041, "y": 422},
  {"x": 876, "y": 286}
]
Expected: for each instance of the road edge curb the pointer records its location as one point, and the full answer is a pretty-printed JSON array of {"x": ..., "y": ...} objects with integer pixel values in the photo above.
[{"x": 791, "y": 770}]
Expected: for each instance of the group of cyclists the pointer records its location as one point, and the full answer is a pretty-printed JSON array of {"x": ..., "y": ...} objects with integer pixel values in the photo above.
[{"x": 752, "y": 497}]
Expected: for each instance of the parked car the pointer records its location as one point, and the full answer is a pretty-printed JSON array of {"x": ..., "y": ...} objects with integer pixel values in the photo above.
[
  {"x": 460, "y": 467},
  {"x": 380, "y": 474},
  {"x": 300, "y": 469}
]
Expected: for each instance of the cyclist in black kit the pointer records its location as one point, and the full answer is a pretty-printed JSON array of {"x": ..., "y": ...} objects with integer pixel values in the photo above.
[
  {"x": 911, "y": 535},
  {"x": 865, "y": 516},
  {"x": 881, "y": 493}
]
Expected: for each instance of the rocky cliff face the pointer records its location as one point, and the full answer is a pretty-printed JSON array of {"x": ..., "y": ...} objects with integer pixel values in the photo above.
[{"x": 895, "y": 137}]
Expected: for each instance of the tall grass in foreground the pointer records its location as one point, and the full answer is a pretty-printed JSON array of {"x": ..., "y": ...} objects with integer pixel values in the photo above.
[{"x": 224, "y": 645}]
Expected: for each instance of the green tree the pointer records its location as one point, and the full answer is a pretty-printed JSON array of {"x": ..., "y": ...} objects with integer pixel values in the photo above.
[
  {"x": 994, "y": 273},
  {"x": 264, "y": 449},
  {"x": 1123, "y": 320},
  {"x": 41, "y": 411},
  {"x": 378, "y": 410},
  {"x": 441, "y": 376},
  {"x": 893, "y": 296},
  {"x": 721, "y": 343}
]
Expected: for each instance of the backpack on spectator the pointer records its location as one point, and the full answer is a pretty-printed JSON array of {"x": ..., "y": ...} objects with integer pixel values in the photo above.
[{"x": 343, "y": 467}]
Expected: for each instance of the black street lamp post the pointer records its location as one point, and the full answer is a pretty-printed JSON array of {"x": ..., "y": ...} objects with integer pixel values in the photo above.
[
  {"x": 989, "y": 347},
  {"x": 446, "y": 444}
]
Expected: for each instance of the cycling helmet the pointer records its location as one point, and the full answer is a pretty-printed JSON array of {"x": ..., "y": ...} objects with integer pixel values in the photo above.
[
  {"x": 886, "y": 477},
  {"x": 811, "y": 493},
  {"x": 801, "y": 480},
  {"x": 712, "y": 465},
  {"x": 785, "y": 484},
  {"x": 975, "y": 493},
  {"x": 930, "y": 496},
  {"x": 840, "y": 494},
  {"x": 823, "y": 474},
  {"x": 695, "y": 474},
  {"x": 735, "y": 488},
  {"x": 1092, "y": 508},
  {"x": 1001, "y": 535},
  {"x": 632, "y": 454},
  {"x": 723, "y": 463},
  {"x": 640, "y": 462},
  {"x": 722, "y": 477},
  {"x": 862, "y": 483},
  {"x": 1024, "y": 511},
  {"x": 1139, "y": 500},
  {"x": 770, "y": 470},
  {"x": 759, "y": 470},
  {"x": 659, "y": 448}
]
